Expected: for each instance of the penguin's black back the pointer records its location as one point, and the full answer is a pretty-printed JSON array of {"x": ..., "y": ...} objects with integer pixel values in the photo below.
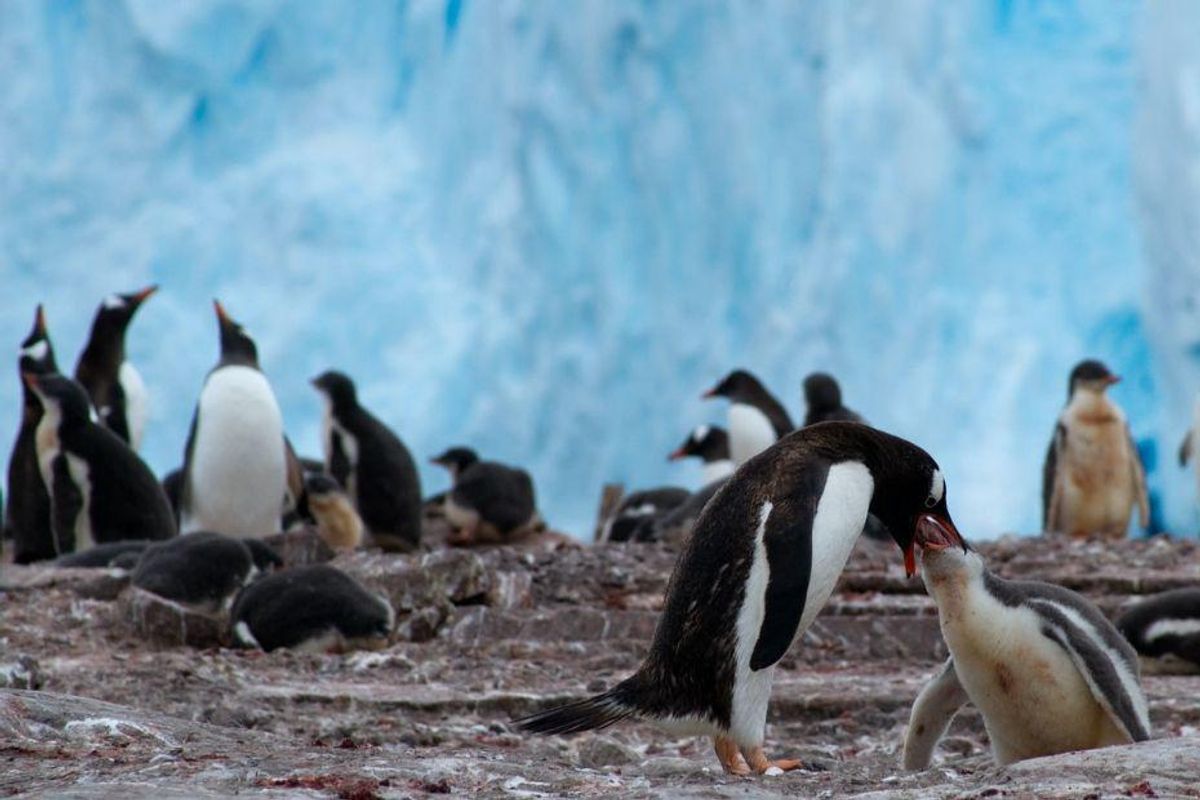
[
  {"x": 288, "y": 608},
  {"x": 503, "y": 495},
  {"x": 840, "y": 414},
  {"x": 1175, "y": 605},
  {"x": 123, "y": 554},
  {"x": 386, "y": 482},
  {"x": 200, "y": 568},
  {"x": 632, "y": 520}
]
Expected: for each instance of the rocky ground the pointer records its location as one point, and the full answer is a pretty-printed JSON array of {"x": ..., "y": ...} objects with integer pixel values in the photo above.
[{"x": 126, "y": 707}]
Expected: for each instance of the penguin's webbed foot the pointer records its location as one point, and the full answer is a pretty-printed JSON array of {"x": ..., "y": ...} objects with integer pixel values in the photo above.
[
  {"x": 730, "y": 756},
  {"x": 762, "y": 765}
]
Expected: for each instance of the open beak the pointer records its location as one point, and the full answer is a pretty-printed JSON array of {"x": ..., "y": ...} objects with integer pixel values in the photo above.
[
  {"x": 933, "y": 533},
  {"x": 676, "y": 455}
]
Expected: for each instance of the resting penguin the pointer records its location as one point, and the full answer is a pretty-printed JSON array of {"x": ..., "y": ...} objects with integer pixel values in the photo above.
[
  {"x": 489, "y": 502},
  {"x": 629, "y": 522},
  {"x": 756, "y": 418},
  {"x": 1093, "y": 476},
  {"x": 203, "y": 571},
  {"x": 823, "y": 397},
  {"x": 1166, "y": 624},
  {"x": 761, "y": 563},
  {"x": 27, "y": 514},
  {"x": 315, "y": 608},
  {"x": 100, "y": 491},
  {"x": 1048, "y": 672},
  {"x": 372, "y": 464},
  {"x": 123, "y": 554},
  {"x": 709, "y": 443},
  {"x": 113, "y": 384},
  {"x": 235, "y": 464}
]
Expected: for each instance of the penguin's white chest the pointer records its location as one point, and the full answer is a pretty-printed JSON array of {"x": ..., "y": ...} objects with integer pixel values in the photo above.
[
  {"x": 717, "y": 470},
  {"x": 136, "y": 402},
  {"x": 237, "y": 475},
  {"x": 1098, "y": 488},
  {"x": 1033, "y": 699},
  {"x": 750, "y": 432},
  {"x": 49, "y": 448}
]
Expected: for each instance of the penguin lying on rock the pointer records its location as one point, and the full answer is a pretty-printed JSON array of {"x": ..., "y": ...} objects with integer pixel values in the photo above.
[
  {"x": 123, "y": 555},
  {"x": 489, "y": 502},
  {"x": 632, "y": 518},
  {"x": 203, "y": 570},
  {"x": 761, "y": 563},
  {"x": 1166, "y": 624},
  {"x": 316, "y": 608},
  {"x": 1048, "y": 672}
]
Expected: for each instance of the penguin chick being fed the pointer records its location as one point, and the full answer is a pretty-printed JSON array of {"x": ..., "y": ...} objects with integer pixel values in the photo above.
[
  {"x": 337, "y": 521},
  {"x": 762, "y": 561},
  {"x": 1047, "y": 671}
]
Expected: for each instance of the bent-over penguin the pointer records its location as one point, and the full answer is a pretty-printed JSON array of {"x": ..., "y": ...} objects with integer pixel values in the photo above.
[
  {"x": 488, "y": 502},
  {"x": 823, "y": 398},
  {"x": 756, "y": 418},
  {"x": 100, "y": 491},
  {"x": 113, "y": 383},
  {"x": 1048, "y": 672},
  {"x": 761, "y": 563},
  {"x": 709, "y": 443},
  {"x": 315, "y": 608},
  {"x": 27, "y": 513},
  {"x": 630, "y": 520},
  {"x": 1093, "y": 476},
  {"x": 371, "y": 464},
  {"x": 235, "y": 474},
  {"x": 1165, "y": 624},
  {"x": 203, "y": 571}
]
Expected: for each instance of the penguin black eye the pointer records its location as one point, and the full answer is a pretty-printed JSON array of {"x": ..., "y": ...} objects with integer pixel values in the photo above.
[{"x": 930, "y": 501}]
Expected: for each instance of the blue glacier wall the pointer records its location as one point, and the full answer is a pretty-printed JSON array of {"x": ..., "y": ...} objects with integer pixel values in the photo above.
[{"x": 543, "y": 228}]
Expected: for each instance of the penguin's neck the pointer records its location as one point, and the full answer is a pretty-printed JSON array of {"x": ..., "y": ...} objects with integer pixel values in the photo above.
[
  {"x": 750, "y": 432},
  {"x": 1092, "y": 406},
  {"x": 716, "y": 470},
  {"x": 952, "y": 578}
]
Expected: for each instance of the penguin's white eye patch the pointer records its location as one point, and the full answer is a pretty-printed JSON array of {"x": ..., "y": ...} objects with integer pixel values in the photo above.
[
  {"x": 937, "y": 489},
  {"x": 36, "y": 351},
  {"x": 113, "y": 301},
  {"x": 700, "y": 433}
]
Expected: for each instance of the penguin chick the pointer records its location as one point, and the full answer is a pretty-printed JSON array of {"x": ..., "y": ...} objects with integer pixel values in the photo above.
[
  {"x": 756, "y": 418},
  {"x": 113, "y": 384},
  {"x": 628, "y": 522},
  {"x": 489, "y": 502},
  {"x": 1047, "y": 671},
  {"x": 315, "y": 608},
  {"x": 337, "y": 521},
  {"x": 823, "y": 397},
  {"x": 1093, "y": 476},
  {"x": 1165, "y": 624},
  {"x": 203, "y": 570},
  {"x": 100, "y": 491},
  {"x": 27, "y": 513},
  {"x": 124, "y": 555},
  {"x": 762, "y": 561}
]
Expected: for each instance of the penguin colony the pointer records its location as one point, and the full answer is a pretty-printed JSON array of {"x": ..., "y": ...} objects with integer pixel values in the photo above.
[{"x": 763, "y": 541}]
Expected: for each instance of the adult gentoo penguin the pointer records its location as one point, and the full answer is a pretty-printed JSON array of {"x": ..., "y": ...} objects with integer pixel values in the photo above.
[
  {"x": 27, "y": 513},
  {"x": 1166, "y": 624},
  {"x": 761, "y": 562},
  {"x": 488, "y": 502},
  {"x": 709, "y": 443},
  {"x": 235, "y": 464},
  {"x": 100, "y": 491},
  {"x": 1048, "y": 672},
  {"x": 756, "y": 418},
  {"x": 1093, "y": 476},
  {"x": 823, "y": 397},
  {"x": 372, "y": 464},
  {"x": 113, "y": 384}
]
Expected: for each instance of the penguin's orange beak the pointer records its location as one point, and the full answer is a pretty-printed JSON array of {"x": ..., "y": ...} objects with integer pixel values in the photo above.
[
  {"x": 39, "y": 323},
  {"x": 676, "y": 455},
  {"x": 934, "y": 532},
  {"x": 1109, "y": 380},
  {"x": 140, "y": 297},
  {"x": 709, "y": 394},
  {"x": 222, "y": 317}
]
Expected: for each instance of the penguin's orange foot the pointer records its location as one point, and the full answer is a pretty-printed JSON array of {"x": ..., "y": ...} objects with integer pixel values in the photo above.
[
  {"x": 729, "y": 756},
  {"x": 762, "y": 765}
]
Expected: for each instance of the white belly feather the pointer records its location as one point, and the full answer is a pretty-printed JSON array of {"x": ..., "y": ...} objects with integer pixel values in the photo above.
[
  {"x": 237, "y": 476},
  {"x": 136, "y": 403},
  {"x": 49, "y": 448},
  {"x": 750, "y": 432},
  {"x": 716, "y": 470}
]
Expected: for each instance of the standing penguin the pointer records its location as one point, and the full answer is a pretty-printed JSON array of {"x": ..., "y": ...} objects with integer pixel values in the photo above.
[
  {"x": 372, "y": 464},
  {"x": 113, "y": 384},
  {"x": 489, "y": 502},
  {"x": 823, "y": 397},
  {"x": 100, "y": 491},
  {"x": 761, "y": 563},
  {"x": 709, "y": 443},
  {"x": 1093, "y": 476},
  {"x": 756, "y": 418},
  {"x": 235, "y": 462},
  {"x": 27, "y": 514},
  {"x": 1048, "y": 672}
]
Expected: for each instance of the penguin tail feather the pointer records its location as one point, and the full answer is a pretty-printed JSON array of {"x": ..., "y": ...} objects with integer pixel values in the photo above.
[{"x": 591, "y": 714}]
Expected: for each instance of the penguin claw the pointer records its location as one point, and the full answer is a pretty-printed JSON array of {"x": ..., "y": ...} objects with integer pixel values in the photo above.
[
  {"x": 759, "y": 762},
  {"x": 729, "y": 756}
]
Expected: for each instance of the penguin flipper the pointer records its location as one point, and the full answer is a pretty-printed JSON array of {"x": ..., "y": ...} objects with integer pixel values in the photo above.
[
  {"x": 1051, "y": 485},
  {"x": 1139, "y": 479},
  {"x": 931, "y": 715},
  {"x": 1185, "y": 449},
  {"x": 789, "y": 556},
  {"x": 65, "y": 506},
  {"x": 1112, "y": 679}
]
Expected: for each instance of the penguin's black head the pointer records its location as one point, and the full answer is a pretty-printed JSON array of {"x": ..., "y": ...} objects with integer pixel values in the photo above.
[
  {"x": 318, "y": 484},
  {"x": 36, "y": 353},
  {"x": 456, "y": 459},
  {"x": 707, "y": 442},
  {"x": 236, "y": 346},
  {"x": 59, "y": 391},
  {"x": 338, "y": 387},
  {"x": 1091, "y": 375},
  {"x": 737, "y": 385},
  {"x": 117, "y": 310},
  {"x": 263, "y": 555},
  {"x": 821, "y": 392}
]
